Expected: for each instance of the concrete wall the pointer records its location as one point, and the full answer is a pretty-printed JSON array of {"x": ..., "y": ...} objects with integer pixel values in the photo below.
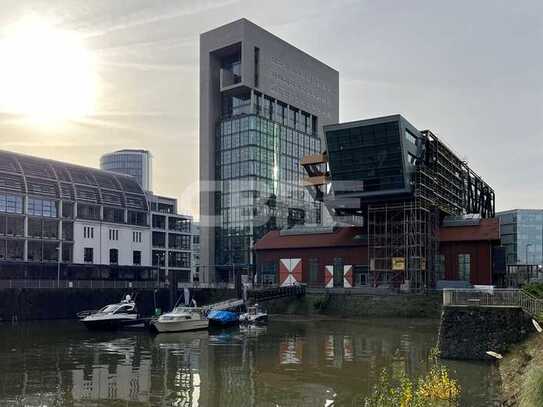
[
  {"x": 45, "y": 304},
  {"x": 360, "y": 305},
  {"x": 469, "y": 332}
]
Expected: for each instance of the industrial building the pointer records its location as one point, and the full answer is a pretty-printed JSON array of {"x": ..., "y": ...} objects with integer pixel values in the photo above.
[
  {"x": 337, "y": 256},
  {"x": 63, "y": 221},
  {"x": 414, "y": 199},
  {"x": 263, "y": 104}
]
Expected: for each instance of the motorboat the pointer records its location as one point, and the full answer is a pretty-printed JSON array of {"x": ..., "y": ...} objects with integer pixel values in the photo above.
[
  {"x": 113, "y": 316},
  {"x": 254, "y": 315},
  {"x": 180, "y": 319},
  {"x": 223, "y": 318}
]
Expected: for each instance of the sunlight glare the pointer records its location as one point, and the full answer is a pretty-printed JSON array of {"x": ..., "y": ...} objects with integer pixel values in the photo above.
[{"x": 46, "y": 74}]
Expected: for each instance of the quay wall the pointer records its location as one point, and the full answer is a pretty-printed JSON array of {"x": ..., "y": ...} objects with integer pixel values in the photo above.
[
  {"x": 65, "y": 303},
  {"x": 468, "y": 332},
  {"x": 360, "y": 305}
]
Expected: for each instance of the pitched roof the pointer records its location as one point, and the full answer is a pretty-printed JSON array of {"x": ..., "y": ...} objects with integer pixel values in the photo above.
[{"x": 341, "y": 237}]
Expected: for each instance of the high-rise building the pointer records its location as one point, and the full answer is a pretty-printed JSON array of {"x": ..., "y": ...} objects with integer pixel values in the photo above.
[
  {"x": 521, "y": 233},
  {"x": 137, "y": 163},
  {"x": 263, "y": 103}
]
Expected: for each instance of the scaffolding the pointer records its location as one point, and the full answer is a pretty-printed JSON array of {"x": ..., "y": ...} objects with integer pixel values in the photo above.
[{"x": 403, "y": 239}]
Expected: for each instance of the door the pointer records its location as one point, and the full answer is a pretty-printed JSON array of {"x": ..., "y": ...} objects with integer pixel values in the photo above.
[{"x": 338, "y": 272}]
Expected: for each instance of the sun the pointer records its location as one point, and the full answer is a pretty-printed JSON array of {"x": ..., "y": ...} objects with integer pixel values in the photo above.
[{"x": 46, "y": 73}]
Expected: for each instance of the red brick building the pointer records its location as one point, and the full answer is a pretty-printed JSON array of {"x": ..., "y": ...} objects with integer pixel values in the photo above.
[{"x": 338, "y": 257}]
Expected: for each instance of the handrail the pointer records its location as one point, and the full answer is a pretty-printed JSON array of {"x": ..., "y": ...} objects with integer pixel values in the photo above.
[{"x": 493, "y": 297}]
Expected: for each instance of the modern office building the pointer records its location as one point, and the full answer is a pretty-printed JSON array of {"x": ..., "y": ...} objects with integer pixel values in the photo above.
[
  {"x": 401, "y": 184},
  {"x": 137, "y": 163},
  {"x": 263, "y": 104},
  {"x": 97, "y": 220},
  {"x": 522, "y": 236},
  {"x": 171, "y": 239}
]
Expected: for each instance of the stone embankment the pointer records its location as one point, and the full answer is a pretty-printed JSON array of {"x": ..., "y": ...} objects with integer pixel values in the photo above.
[{"x": 468, "y": 332}]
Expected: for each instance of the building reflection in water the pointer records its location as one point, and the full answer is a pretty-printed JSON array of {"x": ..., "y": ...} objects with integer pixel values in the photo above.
[{"x": 289, "y": 363}]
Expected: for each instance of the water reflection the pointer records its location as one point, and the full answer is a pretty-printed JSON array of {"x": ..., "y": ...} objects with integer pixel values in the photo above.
[{"x": 288, "y": 363}]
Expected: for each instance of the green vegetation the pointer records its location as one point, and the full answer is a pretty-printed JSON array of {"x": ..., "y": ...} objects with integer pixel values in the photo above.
[
  {"x": 436, "y": 388},
  {"x": 531, "y": 393},
  {"x": 535, "y": 289}
]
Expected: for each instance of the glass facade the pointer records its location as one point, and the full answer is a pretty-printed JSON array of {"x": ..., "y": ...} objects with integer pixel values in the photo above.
[
  {"x": 135, "y": 163},
  {"x": 522, "y": 236},
  {"x": 261, "y": 180},
  {"x": 368, "y": 157}
]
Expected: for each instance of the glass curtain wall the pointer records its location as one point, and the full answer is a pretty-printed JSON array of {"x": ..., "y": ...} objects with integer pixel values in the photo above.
[{"x": 261, "y": 180}]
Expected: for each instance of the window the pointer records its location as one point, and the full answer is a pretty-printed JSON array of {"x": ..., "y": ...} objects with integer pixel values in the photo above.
[
  {"x": 136, "y": 257},
  {"x": 159, "y": 222},
  {"x": 15, "y": 226},
  {"x": 113, "y": 256},
  {"x": 181, "y": 242},
  {"x": 410, "y": 137},
  {"x": 159, "y": 258},
  {"x": 179, "y": 259},
  {"x": 85, "y": 211},
  {"x": 88, "y": 255},
  {"x": 313, "y": 269},
  {"x": 159, "y": 239},
  {"x": 88, "y": 232},
  {"x": 11, "y": 203},
  {"x": 114, "y": 215},
  {"x": 137, "y": 218},
  {"x": 179, "y": 224},
  {"x": 464, "y": 267},
  {"x": 113, "y": 234},
  {"x": 42, "y": 207},
  {"x": 67, "y": 209},
  {"x": 136, "y": 237},
  {"x": 257, "y": 65}
]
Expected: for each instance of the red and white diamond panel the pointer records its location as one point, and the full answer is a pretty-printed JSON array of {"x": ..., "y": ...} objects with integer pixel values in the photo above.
[
  {"x": 347, "y": 276},
  {"x": 290, "y": 272}
]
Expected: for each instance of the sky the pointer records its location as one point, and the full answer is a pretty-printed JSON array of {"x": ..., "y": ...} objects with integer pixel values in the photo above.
[{"x": 471, "y": 71}]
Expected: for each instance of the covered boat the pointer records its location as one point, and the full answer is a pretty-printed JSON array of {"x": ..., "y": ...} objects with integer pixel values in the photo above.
[{"x": 223, "y": 318}]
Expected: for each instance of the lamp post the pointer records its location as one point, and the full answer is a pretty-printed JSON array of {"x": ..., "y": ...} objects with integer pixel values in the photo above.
[{"x": 59, "y": 253}]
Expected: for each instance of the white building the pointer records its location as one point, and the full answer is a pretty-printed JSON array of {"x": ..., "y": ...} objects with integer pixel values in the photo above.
[{"x": 93, "y": 218}]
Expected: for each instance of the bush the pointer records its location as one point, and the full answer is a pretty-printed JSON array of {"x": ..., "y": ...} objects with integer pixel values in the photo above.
[
  {"x": 436, "y": 388},
  {"x": 531, "y": 393},
  {"x": 536, "y": 289}
]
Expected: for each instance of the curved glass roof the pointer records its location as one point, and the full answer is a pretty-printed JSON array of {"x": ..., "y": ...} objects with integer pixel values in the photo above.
[{"x": 35, "y": 176}]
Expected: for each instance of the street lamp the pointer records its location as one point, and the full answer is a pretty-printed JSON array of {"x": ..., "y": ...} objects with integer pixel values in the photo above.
[{"x": 59, "y": 254}]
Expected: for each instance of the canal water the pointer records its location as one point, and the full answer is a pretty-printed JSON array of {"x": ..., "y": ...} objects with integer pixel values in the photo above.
[{"x": 293, "y": 361}]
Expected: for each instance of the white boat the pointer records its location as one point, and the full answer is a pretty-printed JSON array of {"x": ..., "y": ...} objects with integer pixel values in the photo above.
[
  {"x": 181, "y": 319},
  {"x": 114, "y": 316},
  {"x": 254, "y": 315}
]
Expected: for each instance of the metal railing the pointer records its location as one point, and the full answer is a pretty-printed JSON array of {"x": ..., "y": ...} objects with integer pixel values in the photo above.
[
  {"x": 493, "y": 297},
  {"x": 95, "y": 284}
]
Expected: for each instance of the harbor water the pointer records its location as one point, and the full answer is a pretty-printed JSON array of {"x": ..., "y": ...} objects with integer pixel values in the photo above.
[{"x": 293, "y": 361}]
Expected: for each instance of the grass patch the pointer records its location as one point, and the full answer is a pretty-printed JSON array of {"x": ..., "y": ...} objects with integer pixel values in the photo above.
[{"x": 531, "y": 393}]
